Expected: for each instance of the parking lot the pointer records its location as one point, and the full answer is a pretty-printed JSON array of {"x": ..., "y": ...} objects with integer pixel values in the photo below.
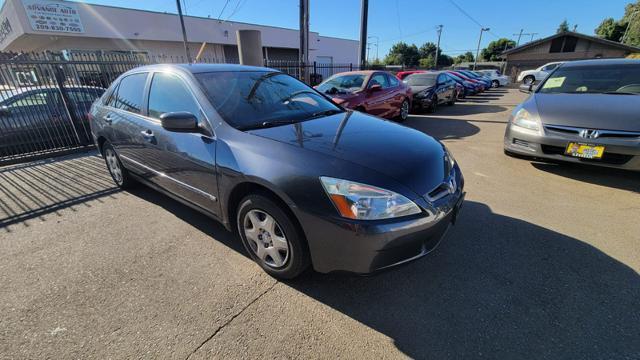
[{"x": 543, "y": 263}]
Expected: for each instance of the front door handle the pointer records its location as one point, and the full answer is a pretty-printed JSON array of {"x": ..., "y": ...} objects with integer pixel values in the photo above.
[
  {"x": 108, "y": 119},
  {"x": 147, "y": 135}
]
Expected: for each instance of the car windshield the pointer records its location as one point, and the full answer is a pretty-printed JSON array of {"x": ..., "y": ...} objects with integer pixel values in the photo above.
[
  {"x": 594, "y": 79},
  {"x": 252, "y": 99},
  {"x": 421, "y": 80},
  {"x": 342, "y": 83}
]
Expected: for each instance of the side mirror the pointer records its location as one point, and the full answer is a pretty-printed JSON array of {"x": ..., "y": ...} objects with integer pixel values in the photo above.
[
  {"x": 374, "y": 88},
  {"x": 179, "y": 121},
  {"x": 4, "y": 110}
]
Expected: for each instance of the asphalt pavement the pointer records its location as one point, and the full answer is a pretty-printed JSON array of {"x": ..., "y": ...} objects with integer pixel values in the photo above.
[{"x": 542, "y": 264}]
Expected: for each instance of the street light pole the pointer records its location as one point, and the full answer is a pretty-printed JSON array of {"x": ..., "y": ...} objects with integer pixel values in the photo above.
[
  {"x": 184, "y": 33},
  {"x": 475, "y": 62},
  {"x": 626, "y": 31}
]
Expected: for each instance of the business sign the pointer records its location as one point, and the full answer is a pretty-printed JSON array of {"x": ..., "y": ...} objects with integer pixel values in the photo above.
[
  {"x": 5, "y": 29},
  {"x": 53, "y": 16}
]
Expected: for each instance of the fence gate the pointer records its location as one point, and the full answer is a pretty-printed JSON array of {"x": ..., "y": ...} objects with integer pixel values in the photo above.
[{"x": 45, "y": 101}]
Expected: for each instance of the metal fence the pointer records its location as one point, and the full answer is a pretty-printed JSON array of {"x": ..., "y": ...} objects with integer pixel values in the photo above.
[{"x": 45, "y": 97}]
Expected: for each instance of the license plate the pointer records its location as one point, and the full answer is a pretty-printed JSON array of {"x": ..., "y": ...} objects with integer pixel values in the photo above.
[{"x": 585, "y": 151}]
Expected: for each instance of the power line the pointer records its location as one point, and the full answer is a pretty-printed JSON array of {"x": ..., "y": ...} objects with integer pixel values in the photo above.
[
  {"x": 471, "y": 18},
  {"x": 223, "y": 8},
  {"x": 239, "y": 5}
]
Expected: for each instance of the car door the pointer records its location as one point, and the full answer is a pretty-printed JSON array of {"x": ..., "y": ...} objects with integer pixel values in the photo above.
[
  {"x": 378, "y": 102},
  {"x": 186, "y": 160},
  {"x": 442, "y": 91},
  {"x": 124, "y": 117},
  {"x": 397, "y": 92}
]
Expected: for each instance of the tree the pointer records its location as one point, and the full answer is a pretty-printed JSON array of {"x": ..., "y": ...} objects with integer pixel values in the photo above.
[
  {"x": 427, "y": 62},
  {"x": 402, "y": 54},
  {"x": 495, "y": 48},
  {"x": 427, "y": 49},
  {"x": 611, "y": 30},
  {"x": 445, "y": 60},
  {"x": 466, "y": 57},
  {"x": 614, "y": 30},
  {"x": 563, "y": 27}
]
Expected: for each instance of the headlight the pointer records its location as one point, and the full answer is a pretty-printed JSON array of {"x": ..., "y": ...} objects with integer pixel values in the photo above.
[
  {"x": 365, "y": 202},
  {"x": 524, "y": 119},
  {"x": 450, "y": 162},
  {"x": 423, "y": 93}
]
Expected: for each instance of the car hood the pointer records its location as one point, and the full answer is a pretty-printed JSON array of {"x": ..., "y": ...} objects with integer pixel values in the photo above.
[
  {"x": 593, "y": 111},
  {"x": 411, "y": 157}
]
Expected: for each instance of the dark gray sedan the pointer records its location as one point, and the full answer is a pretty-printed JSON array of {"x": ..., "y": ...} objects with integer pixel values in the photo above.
[
  {"x": 302, "y": 180},
  {"x": 585, "y": 112}
]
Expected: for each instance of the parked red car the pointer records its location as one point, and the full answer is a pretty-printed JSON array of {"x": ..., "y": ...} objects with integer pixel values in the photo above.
[
  {"x": 378, "y": 93},
  {"x": 403, "y": 74}
]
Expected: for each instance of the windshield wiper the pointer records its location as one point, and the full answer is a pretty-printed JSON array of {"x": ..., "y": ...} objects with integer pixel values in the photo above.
[
  {"x": 266, "y": 124},
  {"x": 324, "y": 113},
  {"x": 619, "y": 93}
]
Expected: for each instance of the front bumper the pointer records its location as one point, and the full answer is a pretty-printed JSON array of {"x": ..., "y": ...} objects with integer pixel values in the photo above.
[
  {"x": 421, "y": 103},
  {"x": 363, "y": 247},
  {"x": 620, "y": 153}
]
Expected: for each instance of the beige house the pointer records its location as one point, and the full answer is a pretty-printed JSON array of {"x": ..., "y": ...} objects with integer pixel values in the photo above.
[{"x": 564, "y": 46}]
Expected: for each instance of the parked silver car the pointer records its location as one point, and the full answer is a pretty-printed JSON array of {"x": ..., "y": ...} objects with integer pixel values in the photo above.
[{"x": 584, "y": 112}]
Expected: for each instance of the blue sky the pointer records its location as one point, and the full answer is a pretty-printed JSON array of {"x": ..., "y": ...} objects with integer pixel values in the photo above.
[{"x": 409, "y": 20}]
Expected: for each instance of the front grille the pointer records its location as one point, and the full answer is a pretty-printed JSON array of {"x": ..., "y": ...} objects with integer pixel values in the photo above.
[{"x": 607, "y": 158}]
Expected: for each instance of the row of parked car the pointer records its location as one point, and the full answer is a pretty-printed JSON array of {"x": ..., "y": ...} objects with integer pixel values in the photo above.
[{"x": 391, "y": 96}]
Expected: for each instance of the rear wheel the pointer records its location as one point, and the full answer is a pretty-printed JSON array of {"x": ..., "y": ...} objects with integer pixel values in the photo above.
[
  {"x": 271, "y": 237},
  {"x": 119, "y": 174},
  {"x": 404, "y": 110}
]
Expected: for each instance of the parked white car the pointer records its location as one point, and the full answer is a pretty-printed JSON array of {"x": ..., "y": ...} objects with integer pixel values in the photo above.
[
  {"x": 529, "y": 76},
  {"x": 496, "y": 78}
]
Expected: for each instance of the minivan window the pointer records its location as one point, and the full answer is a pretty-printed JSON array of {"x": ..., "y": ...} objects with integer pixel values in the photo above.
[
  {"x": 130, "y": 93},
  {"x": 170, "y": 94},
  {"x": 250, "y": 99}
]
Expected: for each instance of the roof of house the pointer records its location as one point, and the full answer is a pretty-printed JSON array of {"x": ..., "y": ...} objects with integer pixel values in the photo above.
[{"x": 578, "y": 35}]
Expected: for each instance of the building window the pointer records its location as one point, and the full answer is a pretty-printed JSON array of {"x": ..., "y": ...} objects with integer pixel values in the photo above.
[{"x": 563, "y": 44}]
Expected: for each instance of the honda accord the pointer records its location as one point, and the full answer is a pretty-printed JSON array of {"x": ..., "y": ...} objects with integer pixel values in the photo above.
[
  {"x": 584, "y": 111},
  {"x": 301, "y": 180}
]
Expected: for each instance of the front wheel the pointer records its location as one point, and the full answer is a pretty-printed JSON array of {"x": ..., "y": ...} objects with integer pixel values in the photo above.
[
  {"x": 271, "y": 237},
  {"x": 434, "y": 105},
  {"x": 528, "y": 80},
  {"x": 495, "y": 84},
  {"x": 404, "y": 111}
]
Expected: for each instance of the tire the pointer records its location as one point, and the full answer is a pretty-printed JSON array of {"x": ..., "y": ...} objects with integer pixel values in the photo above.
[
  {"x": 118, "y": 172},
  {"x": 404, "y": 111},
  {"x": 434, "y": 105},
  {"x": 453, "y": 99},
  {"x": 528, "y": 80},
  {"x": 271, "y": 237},
  {"x": 495, "y": 84}
]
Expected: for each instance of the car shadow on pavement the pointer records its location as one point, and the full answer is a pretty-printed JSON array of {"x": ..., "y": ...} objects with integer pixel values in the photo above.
[
  {"x": 442, "y": 128},
  {"x": 614, "y": 178},
  {"x": 497, "y": 287}
]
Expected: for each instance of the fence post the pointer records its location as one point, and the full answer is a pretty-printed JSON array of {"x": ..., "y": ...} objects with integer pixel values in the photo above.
[{"x": 60, "y": 78}]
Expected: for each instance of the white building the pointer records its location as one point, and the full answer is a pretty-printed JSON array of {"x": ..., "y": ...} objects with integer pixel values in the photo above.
[{"x": 39, "y": 25}]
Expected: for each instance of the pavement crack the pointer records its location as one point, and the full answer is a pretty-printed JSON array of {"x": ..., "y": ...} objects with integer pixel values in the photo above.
[{"x": 230, "y": 320}]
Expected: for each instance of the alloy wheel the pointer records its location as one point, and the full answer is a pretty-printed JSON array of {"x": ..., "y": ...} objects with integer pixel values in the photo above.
[
  {"x": 114, "y": 165},
  {"x": 404, "y": 110},
  {"x": 266, "y": 238}
]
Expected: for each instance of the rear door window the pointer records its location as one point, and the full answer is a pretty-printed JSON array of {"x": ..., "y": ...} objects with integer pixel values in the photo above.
[
  {"x": 393, "y": 81},
  {"x": 379, "y": 79},
  {"x": 130, "y": 95}
]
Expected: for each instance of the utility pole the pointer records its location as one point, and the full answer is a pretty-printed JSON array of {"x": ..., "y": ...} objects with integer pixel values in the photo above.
[
  {"x": 519, "y": 37},
  {"x": 184, "y": 33},
  {"x": 304, "y": 40},
  {"x": 626, "y": 31},
  {"x": 438, "y": 45},
  {"x": 475, "y": 61},
  {"x": 364, "y": 15}
]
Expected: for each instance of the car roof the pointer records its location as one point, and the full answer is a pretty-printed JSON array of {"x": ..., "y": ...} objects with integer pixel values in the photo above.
[
  {"x": 603, "y": 62},
  {"x": 202, "y": 68}
]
